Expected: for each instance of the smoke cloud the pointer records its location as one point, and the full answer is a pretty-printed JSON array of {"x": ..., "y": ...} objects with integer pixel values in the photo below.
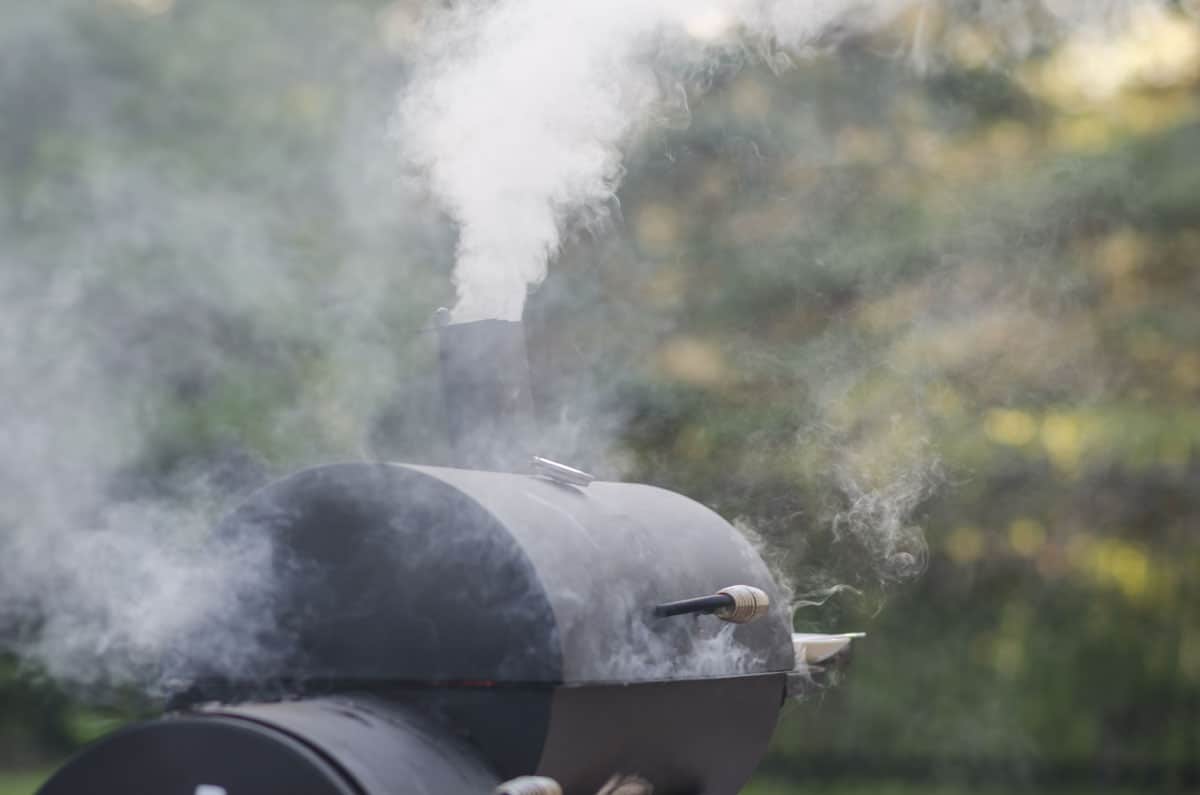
[
  {"x": 151, "y": 296},
  {"x": 519, "y": 109}
]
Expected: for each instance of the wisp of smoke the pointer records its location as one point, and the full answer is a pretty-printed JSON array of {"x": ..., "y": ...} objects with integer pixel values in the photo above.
[
  {"x": 141, "y": 596},
  {"x": 878, "y": 520},
  {"x": 519, "y": 109},
  {"x": 134, "y": 288}
]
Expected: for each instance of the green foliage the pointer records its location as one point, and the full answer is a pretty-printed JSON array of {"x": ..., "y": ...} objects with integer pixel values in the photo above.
[
  {"x": 777, "y": 787},
  {"x": 21, "y": 783}
]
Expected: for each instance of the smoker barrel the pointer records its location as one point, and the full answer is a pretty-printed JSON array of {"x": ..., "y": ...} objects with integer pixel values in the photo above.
[
  {"x": 504, "y": 619},
  {"x": 392, "y": 574},
  {"x": 455, "y": 631}
]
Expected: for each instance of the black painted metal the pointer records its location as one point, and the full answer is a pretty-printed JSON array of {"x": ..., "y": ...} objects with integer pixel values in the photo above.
[
  {"x": 395, "y": 573},
  {"x": 343, "y": 746},
  {"x": 383, "y": 573},
  {"x": 382, "y": 746},
  {"x": 486, "y": 393},
  {"x": 507, "y": 724},
  {"x": 506, "y": 614},
  {"x": 685, "y": 737},
  {"x": 699, "y": 605}
]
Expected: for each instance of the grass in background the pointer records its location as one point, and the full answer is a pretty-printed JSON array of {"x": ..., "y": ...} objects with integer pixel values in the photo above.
[
  {"x": 781, "y": 787},
  {"x": 22, "y": 783},
  {"x": 27, "y": 784}
]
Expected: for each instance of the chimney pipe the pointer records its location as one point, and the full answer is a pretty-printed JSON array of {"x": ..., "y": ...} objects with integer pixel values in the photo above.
[{"x": 486, "y": 393}]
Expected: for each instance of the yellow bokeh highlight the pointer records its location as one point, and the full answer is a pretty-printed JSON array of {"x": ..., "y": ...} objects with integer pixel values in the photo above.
[
  {"x": 693, "y": 361},
  {"x": 1084, "y": 134},
  {"x": 1027, "y": 537},
  {"x": 1010, "y": 427},
  {"x": 1113, "y": 562},
  {"x": 965, "y": 544},
  {"x": 1146, "y": 114},
  {"x": 1122, "y": 253},
  {"x": 1126, "y": 565},
  {"x": 1062, "y": 436},
  {"x": 971, "y": 47},
  {"x": 1157, "y": 49}
]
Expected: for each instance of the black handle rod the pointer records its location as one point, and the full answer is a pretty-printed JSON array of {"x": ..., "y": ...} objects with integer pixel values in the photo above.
[{"x": 701, "y": 604}]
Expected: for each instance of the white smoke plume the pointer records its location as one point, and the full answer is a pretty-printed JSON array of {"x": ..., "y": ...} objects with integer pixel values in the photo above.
[
  {"x": 520, "y": 109},
  {"x": 135, "y": 288}
]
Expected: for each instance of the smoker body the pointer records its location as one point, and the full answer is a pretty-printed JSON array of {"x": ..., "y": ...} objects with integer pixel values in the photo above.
[
  {"x": 687, "y": 738},
  {"x": 509, "y": 617},
  {"x": 390, "y": 573},
  {"x": 438, "y": 631}
]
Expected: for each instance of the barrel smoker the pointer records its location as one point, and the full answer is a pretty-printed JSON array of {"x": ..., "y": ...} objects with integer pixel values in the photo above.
[{"x": 507, "y": 625}]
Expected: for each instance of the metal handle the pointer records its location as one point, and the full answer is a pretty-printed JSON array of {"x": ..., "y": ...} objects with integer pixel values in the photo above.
[
  {"x": 738, "y": 604},
  {"x": 561, "y": 472}
]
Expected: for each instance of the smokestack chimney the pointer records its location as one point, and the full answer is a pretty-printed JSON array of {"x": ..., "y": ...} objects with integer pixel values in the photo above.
[{"x": 486, "y": 393}]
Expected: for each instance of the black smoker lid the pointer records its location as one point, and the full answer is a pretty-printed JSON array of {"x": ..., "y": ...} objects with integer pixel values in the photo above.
[{"x": 412, "y": 574}]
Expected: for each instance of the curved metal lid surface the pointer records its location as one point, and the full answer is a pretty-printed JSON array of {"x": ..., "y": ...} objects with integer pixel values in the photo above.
[
  {"x": 383, "y": 747},
  {"x": 607, "y": 553},
  {"x": 326, "y": 746},
  {"x": 424, "y": 574},
  {"x": 193, "y": 756}
]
